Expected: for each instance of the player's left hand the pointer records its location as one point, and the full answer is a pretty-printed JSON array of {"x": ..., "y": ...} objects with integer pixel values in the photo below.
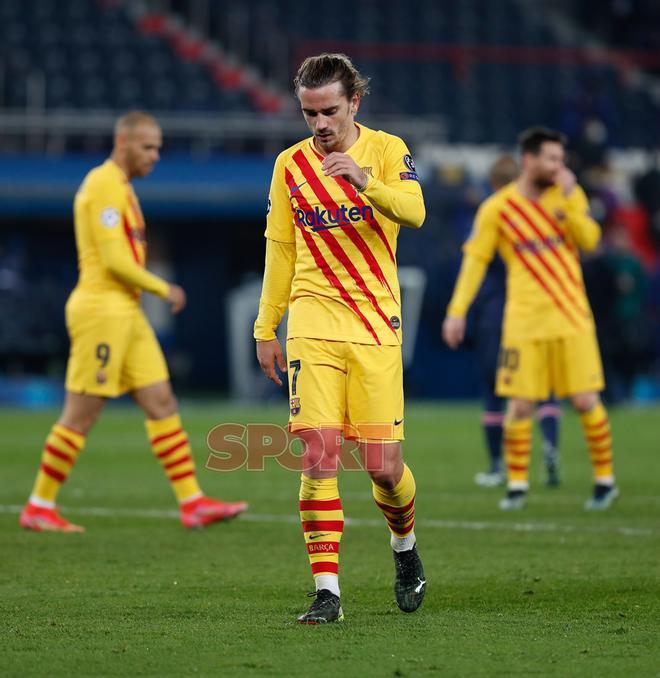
[
  {"x": 341, "y": 164},
  {"x": 176, "y": 297},
  {"x": 566, "y": 180},
  {"x": 453, "y": 331}
]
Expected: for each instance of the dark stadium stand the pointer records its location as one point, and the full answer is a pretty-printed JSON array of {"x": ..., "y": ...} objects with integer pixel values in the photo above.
[
  {"x": 487, "y": 67},
  {"x": 81, "y": 54},
  {"x": 475, "y": 71}
]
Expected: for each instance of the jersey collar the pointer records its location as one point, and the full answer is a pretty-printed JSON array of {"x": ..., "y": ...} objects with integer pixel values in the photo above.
[{"x": 111, "y": 163}]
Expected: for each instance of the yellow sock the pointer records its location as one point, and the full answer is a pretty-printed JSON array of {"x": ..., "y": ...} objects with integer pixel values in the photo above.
[
  {"x": 398, "y": 504},
  {"x": 322, "y": 519},
  {"x": 62, "y": 448},
  {"x": 596, "y": 426},
  {"x": 170, "y": 444},
  {"x": 517, "y": 442}
]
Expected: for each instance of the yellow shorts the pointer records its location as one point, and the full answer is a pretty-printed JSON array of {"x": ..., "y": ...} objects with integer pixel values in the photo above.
[
  {"x": 112, "y": 353},
  {"x": 354, "y": 387},
  {"x": 533, "y": 369}
]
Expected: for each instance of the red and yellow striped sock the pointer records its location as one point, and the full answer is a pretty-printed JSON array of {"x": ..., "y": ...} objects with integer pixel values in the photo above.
[
  {"x": 322, "y": 520},
  {"x": 170, "y": 444},
  {"x": 517, "y": 450},
  {"x": 398, "y": 507},
  {"x": 596, "y": 426},
  {"x": 62, "y": 448}
]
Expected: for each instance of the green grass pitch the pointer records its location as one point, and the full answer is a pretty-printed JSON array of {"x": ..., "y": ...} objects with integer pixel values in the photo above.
[{"x": 547, "y": 591}]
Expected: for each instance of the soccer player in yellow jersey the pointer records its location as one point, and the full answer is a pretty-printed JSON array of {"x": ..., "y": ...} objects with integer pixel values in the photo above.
[
  {"x": 336, "y": 203},
  {"x": 113, "y": 347},
  {"x": 538, "y": 224}
]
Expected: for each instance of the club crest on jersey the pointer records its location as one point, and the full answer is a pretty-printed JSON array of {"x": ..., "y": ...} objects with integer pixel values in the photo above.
[
  {"x": 101, "y": 377},
  {"x": 110, "y": 217},
  {"x": 294, "y": 406},
  {"x": 409, "y": 163},
  {"x": 137, "y": 234}
]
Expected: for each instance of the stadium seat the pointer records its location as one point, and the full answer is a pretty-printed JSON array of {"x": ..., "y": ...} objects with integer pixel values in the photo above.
[{"x": 92, "y": 55}]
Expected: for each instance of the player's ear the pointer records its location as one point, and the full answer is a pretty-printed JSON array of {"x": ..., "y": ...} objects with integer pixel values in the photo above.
[
  {"x": 121, "y": 138},
  {"x": 355, "y": 104}
]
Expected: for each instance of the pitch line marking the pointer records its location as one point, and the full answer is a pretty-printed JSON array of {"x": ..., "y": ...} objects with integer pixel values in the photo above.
[{"x": 478, "y": 526}]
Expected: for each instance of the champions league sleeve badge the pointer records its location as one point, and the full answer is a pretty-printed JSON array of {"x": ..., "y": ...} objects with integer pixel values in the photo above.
[
  {"x": 411, "y": 175},
  {"x": 110, "y": 217},
  {"x": 409, "y": 163}
]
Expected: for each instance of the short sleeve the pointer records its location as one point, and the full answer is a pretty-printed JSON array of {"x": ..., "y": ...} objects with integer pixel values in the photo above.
[
  {"x": 279, "y": 215},
  {"x": 482, "y": 242}
]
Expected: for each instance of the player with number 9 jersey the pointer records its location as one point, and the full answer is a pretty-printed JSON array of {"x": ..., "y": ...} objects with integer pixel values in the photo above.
[{"x": 113, "y": 347}]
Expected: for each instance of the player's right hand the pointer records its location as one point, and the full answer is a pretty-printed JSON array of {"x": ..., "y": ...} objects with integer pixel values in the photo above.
[
  {"x": 176, "y": 298},
  {"x": 269, "y": 354},
  {"x": 567, "y": 181},
  {"x": 453, "y": 331}
]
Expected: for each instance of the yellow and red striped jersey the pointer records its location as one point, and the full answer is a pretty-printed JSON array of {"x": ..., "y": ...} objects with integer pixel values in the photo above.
[
  {"x": 345, "y": 285},
  {"x": 539, "y": 241},
  {"x": 107, "y": 215}
]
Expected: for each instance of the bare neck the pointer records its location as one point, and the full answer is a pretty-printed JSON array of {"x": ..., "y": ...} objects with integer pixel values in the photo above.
[
  {"x": 528, "y": 188},
  {"x": 120, "y": 161},
  {"x": 351, "y": 138}
]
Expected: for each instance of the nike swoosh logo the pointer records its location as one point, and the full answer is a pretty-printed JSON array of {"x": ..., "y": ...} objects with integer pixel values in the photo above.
[
  {"x": 298, "y": 187},
  {"x": 318, "y": 536},
  {"x": 420, "y": 586},
  {"x": 398, "y": 421}
]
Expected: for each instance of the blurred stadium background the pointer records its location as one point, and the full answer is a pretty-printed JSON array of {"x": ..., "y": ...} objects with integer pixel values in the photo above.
[
  {"x": 458, "y": 80},
  {"x": 554, "y": 591}
]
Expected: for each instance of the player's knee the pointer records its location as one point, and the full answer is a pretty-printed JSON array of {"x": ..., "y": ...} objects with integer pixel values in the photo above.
[
  {"x": 383, "y": 463},
  {"x": 385, "y": 478},
  {"x": 322, "y": 450},
  {"x": 584, "y": 402},
  {"x": 161, "y": 405},
  {"x": 80, "y": 413},
  {"x": 520, "y": 409},
  {"x": 318, "y": 460},
  {"x": 82, "y": 422}
]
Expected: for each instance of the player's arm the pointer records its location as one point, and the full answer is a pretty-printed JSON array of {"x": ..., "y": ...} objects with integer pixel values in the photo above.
[
  {"x": 477, "y": 254},
  {"x": 106, "y": 207},
  {"x": 278, "y": 275},
  {"x": 583, "y": 229},
  {"x": 276, "y": 289},
  {"x": 118, "y": 262},
  {"x": 398, "y": 196}
]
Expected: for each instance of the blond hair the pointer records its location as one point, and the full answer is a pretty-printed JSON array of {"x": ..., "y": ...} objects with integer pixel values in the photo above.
[{"x": 129, "y": 121}]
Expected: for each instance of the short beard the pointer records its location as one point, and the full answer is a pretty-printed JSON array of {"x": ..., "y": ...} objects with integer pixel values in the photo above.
[
  {"x": 327, "y": 146},
  {"x": 542, "y": 183}
]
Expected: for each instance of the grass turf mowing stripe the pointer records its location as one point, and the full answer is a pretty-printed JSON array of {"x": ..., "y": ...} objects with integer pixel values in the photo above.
[{"x": 363, "y": 522}]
